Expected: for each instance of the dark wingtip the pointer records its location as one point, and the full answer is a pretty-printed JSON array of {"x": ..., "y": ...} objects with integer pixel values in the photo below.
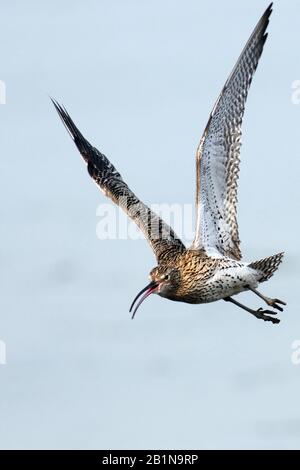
[
  {"x": 268, "y": 11},
  {"x": 267, "y": 14},
  {"x": 263, "y": 25},
  {"x": 68, "y": 123},
  {"x": 55, "y": 103},
  {"x": 62, "y": 113},
  {"x": 81, "y": 143}
]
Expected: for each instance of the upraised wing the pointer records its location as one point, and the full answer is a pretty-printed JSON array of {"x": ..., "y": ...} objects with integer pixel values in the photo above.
[
  {"x": 217, "y": 157},
  {"x": 160, "y": 236}
]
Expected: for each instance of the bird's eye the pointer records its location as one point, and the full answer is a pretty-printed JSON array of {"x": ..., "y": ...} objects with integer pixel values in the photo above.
[{"x": 167, "y": 277}]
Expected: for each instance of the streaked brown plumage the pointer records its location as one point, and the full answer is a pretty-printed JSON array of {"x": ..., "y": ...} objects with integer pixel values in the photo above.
[{"x": 212, "y": 268}]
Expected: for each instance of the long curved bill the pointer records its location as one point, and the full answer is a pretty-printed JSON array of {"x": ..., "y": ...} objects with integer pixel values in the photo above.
[{"x": 149, "y": 289}]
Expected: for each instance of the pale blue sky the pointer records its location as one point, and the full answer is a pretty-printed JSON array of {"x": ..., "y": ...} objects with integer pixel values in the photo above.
[{"x": 139, "y": 78}]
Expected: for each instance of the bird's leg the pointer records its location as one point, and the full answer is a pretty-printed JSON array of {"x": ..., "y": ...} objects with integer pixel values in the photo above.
[
  {"x": 271, "y": 302},
  {"x": 260, "y": 313}
]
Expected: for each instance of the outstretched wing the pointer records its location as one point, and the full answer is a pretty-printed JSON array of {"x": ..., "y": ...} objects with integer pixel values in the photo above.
[
  {"x": 160, "y": 236},
  {"x": 217, "y": 157}
]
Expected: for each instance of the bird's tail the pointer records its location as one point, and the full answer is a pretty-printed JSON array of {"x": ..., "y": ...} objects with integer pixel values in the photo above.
[{"x": 267, "y": 266}]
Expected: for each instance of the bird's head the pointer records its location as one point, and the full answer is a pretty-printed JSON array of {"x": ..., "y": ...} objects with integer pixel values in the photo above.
[{"x": 164, "y": 281}]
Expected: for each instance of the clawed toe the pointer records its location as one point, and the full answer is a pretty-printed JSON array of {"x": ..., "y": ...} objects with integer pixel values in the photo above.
[
  {"x": 262, "y": 315},
  {"x": 274, "y": 303},
  {"x": 270, "y": 312},
  {"x": 278, "y": 301},
  {"x": 273, "y": 320}
]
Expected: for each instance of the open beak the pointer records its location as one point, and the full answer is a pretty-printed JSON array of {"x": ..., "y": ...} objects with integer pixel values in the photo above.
[{"x": 149, "y": 289}]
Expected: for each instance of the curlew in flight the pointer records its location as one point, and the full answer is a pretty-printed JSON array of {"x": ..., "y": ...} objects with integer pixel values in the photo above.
[{"x": 211, "y": 269}]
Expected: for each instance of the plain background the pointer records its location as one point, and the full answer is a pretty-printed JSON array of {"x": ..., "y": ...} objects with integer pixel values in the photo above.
[{"x": 139, "y": 78}]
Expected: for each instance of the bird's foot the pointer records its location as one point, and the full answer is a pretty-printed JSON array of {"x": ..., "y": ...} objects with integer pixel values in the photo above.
[
  {"x": 274, "y": 303},
  {"x": 261, "y": 313}
]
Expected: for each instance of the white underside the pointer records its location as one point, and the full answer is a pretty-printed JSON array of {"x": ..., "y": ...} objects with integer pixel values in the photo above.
[{"x": 234, "y": 279}]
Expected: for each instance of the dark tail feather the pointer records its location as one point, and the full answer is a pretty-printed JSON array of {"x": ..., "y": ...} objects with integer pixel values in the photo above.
[{"x": 267, "y": 266}]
